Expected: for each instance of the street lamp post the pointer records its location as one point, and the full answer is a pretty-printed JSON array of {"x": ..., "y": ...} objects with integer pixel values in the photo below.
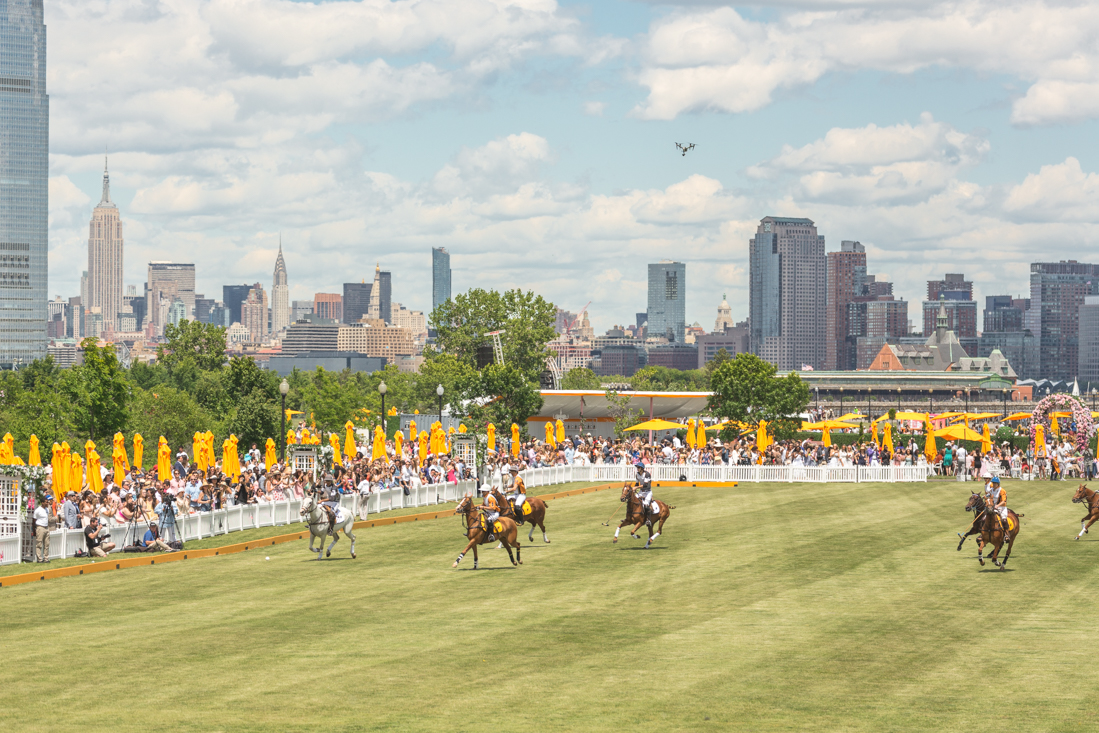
[
  {"x": 284, "y": 389},
  {"x": 439, "y": 391},
  {"x": 931, "y": 401},
  {"x": 1003, "y": 393},
  {"x": 841, "y": 402},
  {"x": 898, "y": 399},
  {"x": 967, "y": 399},
  {"x": 385, "y": 423}
]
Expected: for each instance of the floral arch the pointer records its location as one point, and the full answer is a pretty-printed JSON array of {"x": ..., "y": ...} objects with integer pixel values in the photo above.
[{"x": 1081, "y": 422}]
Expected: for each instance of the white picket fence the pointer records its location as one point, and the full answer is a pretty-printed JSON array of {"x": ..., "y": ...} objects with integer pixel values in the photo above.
[{"x": 65, "y": 542}]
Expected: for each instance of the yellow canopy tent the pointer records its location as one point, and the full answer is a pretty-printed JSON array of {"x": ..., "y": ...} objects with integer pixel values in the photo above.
[
  {"x": 657, "y": 424},
  {"x": 958, "y": 432},
  {"x": 986, "y": 439},
  {"x": 905, "y": 415},
  {"x": 1017, "y": 416}
]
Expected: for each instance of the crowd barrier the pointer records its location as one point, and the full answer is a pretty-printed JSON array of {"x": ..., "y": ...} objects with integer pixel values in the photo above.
[{"x": 65, "y": 542}]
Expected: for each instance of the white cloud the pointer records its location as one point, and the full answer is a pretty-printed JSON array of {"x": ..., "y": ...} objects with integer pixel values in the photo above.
[
  {"x": 716, "y": 59},
  {"x": 1057, "y": 193}
]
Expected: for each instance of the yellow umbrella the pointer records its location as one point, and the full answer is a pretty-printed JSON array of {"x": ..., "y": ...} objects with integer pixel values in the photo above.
[
  {"x": 290, "y": 414},
  {"x": 398, "y": 442},
  {"x": 349, "y": 448},
  {"x": 761, "y": 436},
  {"x": 875, "y": 427},
  {"x": 334, "y": 441},
  {"x": 291, "y": 438},
  {"x": 10, "y": 443},
  {"x": 1054, "y": 426},
  {"x": 33, "y": 458},
  {"x": 976, "y": 416},
  {"x": 904, "y": 415},
  {"x": 139, "y": 450},
  {"x": 958, "y": 432},
  {"x": 826, "y": 437},
  {"x": 422, "y": 453},
  {"x": 449, "y": 437},
  {"x": 849, "y": 416},
  {"x": 491, "y": 430},
  {"x": 461, "y": 428},
  {"x": 549, "y": 434},
  {"x": 378, "y": 451},
  {"x": 208, "y": 446},
  {"x": 929, "y": 448},
  {"x": 95, "y": 477},
  {"x": 700, "y": 441},
  {"x": 75, "y": 480},
  {"x": 658, "y": 425},
  {"x": 198, "y": 451},
  {"x": 66, "y": 462},
  {"x": 887, "y": 438},
  {"x": 514, "y": 440},
  {"x": 118, "y": 457},
  {"x": 120, "y": 443},
  {"x": 1039, "y": 440},
  {"x": 269, "y": 456},
  {"x": 560, "y": 432},
  {"x": 690, "y": 437},
  {"x": 59, "y": 475},
  {"x": 412, "y": 436},
  {"x": 986, "y": 439},
  {"x": 163, "y": 460},
  {"x": 1018, "y": 416}
]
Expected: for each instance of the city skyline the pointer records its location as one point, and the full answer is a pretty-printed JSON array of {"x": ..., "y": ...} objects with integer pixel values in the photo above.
[{"x": 547, "y": 136}]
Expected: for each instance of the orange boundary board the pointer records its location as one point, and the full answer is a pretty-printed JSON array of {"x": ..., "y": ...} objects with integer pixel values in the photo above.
[{"x": 108, "y": 563}]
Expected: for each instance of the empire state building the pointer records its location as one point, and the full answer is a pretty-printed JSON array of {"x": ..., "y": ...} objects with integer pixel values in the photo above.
[{"x": 105, "y": 258}]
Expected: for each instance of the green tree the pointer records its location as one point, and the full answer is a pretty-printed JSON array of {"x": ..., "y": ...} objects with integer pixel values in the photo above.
[
  {"x": 201, "y": 343},
  {"x": 99, "y": 392},
  {"x": 31, "y": 403},
  {"x": 528, "y": 320},
  {"x": 513, "y": 397},
  {"x": 254, "y": 420},
  {"x": 745, "y": 388},
  {"x": 458, "y": 378},
  {"x": 172, "y": 413},
  {"x": 624, "y": 416},
  {"x": 720, "y": 358},
  {"x": 243, "y": 376},
  {"x": 580, "y": 378},
  {"x": 147, "y": 376}
]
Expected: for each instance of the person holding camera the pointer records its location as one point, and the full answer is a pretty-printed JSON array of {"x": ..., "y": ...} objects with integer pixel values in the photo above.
[
  {"x": 152, "y": 542},
  {"x": 94, "y": 537}
]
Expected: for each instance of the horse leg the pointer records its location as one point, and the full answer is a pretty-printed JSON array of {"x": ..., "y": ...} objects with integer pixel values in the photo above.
[
  {"x": 633, "y": 532},
  {"x": 980, "y": 550},
  {"x": 619, "y": 527},
  {"x": 473, "y": 544},
  {"x": 351, "y": 536},
  {"x": 542, "y": 526},
  {"x": 1007, "y": 555},
  {"x": 518, "y": 549},
  {"x": 335, "y": 539},
  {"x": 659, "y": 529}
]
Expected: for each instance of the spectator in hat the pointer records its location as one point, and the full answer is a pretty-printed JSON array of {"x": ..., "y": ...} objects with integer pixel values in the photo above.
[{"x": 70, "y": 512}]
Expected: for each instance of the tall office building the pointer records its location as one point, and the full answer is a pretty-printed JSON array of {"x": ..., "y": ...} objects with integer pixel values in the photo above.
[
  {"x": 328, "y": 305},
  {"x": 381, "y": 296},
  {"x": 440, "y": 276},
  {"x": 1087, "y": 369},
  {"x": 1057, "y": 290},
  {"x": 961, "y": 309},
  {"x": 253, "y": 314},
  {"x": 667, "y": 301},
  {"x": 356, "y": 301},
  {"x": 280, "y": 295},
  {"x": 166, "y": 282},
  {"x": 846, "y": 276},
  {"x": 788, "y": 293},
  {"x": 105, "y": 257},
  {"x": 233, "y": 296},
  {"x": 24, "y": 195}
]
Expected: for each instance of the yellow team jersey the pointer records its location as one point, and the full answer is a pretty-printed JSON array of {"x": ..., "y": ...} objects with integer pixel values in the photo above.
[
  {"x": 490, "y": 502},
  {"x": 520, "y": 487}
]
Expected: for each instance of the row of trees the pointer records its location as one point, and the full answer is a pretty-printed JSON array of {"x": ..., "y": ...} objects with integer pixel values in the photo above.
[{"x": 192, "y": 387}]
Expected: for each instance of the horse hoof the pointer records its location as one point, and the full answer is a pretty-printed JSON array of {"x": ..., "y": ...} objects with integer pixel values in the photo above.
[
  {"x": 353, "y": 555},
  {"x": 454, "y": 565},
  {"x": 615, "y": 540},
  {"x": 981, "y": 561},
  {"x": 328, "y": 554},
  {"x": 547, "y": 542},
  {"x": 1077, "y": 537}
]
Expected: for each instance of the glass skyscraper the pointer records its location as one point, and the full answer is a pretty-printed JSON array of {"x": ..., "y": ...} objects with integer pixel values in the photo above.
[
  {"x": 24, "y": 166},
  {"x": 667, "y": 301},
  {"x": 440, "y": 276}
]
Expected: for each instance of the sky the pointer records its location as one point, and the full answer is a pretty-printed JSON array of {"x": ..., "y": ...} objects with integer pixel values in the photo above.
[{"x": 535, "y": 140}]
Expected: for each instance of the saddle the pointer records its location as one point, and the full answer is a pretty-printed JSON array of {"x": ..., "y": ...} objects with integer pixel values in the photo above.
[
  {"x": 332, "y": 516},
  {"x": 496, "y": 528}
]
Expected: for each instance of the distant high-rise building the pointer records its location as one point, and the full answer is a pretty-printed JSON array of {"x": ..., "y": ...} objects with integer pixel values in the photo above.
[
  {"x": 961, "y": 309},
  {"x": 724, "y": 316},
  {"x": 381, "y": 296},
  {"x": 105, "y": 256},
  {"x": 356, "y": 301},
  {"x": 328, "y": 305},
  {"x": 24, "y": 174},
  {"x": 166, "y": 282},
  {"x": 1087, "y": 370},
  {"x": 302, "y": 308},
  {"x": 1004, "y": 314},
  {"x": 440, "y": 276},
  {"x": 280, "y": 295},
  {"x": 846, "y": 278},
  {"x": 788, "y": 293},
  {"x": 253, "y": 313},
  {"x": 667, "y": 301},
  {"x": 1057, "y": 290},
  {"x": 233, "y": 296}
]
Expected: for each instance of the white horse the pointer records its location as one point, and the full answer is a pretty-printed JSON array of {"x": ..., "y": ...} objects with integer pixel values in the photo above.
[{"x": 314, "y": 513}]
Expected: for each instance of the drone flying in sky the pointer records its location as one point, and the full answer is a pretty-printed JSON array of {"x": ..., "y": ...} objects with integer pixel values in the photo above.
[{"x": 684, "y": 147}]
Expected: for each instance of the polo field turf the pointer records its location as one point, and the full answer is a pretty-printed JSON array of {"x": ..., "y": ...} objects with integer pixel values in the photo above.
[{"x": 763, "y": 607}]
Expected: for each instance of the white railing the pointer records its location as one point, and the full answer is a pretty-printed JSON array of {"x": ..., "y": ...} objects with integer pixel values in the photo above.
[{"x": 190, "y": 527}]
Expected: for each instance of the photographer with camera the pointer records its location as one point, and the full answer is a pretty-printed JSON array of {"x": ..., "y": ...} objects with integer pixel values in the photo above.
[
  {"x": 94, "y": 537},
  {"x": 166, "y": 511},
  {"x": 152, "y": 542}
]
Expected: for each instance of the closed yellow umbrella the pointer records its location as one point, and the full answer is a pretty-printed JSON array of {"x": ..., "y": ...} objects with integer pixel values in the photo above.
[
  {"x": 291, "y": 438},
  {"x": 422, "y": 453},
  {"x": 9, "y": 443},
  {"x": 549, "y": 434},
  {"x": 198, "y": 451},
  {"x": 761, "y": 436},
  {"x": 929, "y": 448},
  {"x": 398, "y": 443},
  {"x": 448, "y": 438},
  {"x": 701, "y": 440},
  {"x": 349, "y": 448},
  {"x": 95, "y": 477},
  {"x": 233, "y": 441},
  {"x": 986, "y": 439},
  {"x": 461, "y": 428},
  {"x": 334, "y": 441},
  {"x": 33, "y": 457},
  {"x": 887, "y": 438},
  {"x": 875, "y": 435},
  {"x": 1039, "y": 440},
  {"x": 66, "y": 463},
  {"x": 118, "y": 458},
  {"x": 690, "y": 436},
  {"x": 1055, "y": 427},
  {"x": 826, "y": 437},
  {"x": 491, "y": 430},
  {"x": 76, "y": 473},
  {"x": 60, "y": 474},
  {"x": 560, "y": 432},
  {"x": 208, "y": 446},
  {"x": 163, "y": 460},
  {"x": 378, "y": 447},
  {"x": 139, "y": 450},
  {"x": 120, "y": 443},
  {"x": 413, "y": 436},
  {"x": 270, "y": 458},
  {"x": 515, "y": 440}
]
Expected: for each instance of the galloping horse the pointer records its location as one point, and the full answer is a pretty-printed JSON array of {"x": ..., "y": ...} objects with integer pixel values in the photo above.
[
  {"x": 636, "y": 515},
  {"x": 537, "y": 516},
  {"x": 991, "y": 532},
  {"x": 1084, "y": 495},
  {"x": 975, "y": 528},
  {"x": 318, "y": 525},
  {"x": 478, "y": 536}
]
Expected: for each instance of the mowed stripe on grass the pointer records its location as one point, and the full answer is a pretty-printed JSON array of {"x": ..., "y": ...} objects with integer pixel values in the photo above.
[{"x": 762, "y": 607}]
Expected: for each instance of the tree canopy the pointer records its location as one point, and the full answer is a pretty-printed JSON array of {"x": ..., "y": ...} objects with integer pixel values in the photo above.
[{"x": 745, "y": 388}]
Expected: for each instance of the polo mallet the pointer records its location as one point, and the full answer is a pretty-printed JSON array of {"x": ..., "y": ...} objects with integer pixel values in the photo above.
[{"x": 608, "y": 522}]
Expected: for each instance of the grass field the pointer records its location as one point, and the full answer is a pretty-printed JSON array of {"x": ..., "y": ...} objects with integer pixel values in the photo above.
[{"x": 763, "y": 607}]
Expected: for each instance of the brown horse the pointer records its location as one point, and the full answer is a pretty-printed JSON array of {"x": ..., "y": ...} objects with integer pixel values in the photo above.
[
  {"x": 537, "y": 516},
  {"x": 1084, "y": 495},
  {"x": 978, "y": 520},
  {"x": 478, "y": 536},
  {"x": 635, "y": 515},
  {"x": 992, "y": 531}
]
